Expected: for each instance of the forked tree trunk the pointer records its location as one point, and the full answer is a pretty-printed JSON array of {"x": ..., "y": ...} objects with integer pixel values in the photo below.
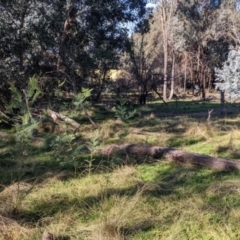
[{"x": 177, "y": 156}]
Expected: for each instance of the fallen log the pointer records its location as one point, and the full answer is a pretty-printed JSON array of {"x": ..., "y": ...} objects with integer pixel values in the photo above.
[
  {"x": 175, "y": 155},
  {"x": 55, "y": 116}
]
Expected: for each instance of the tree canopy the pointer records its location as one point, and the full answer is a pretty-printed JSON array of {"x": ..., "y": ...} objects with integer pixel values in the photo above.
[
  {"x": 76, "y": 44},
  {"x": 63, "y": 39}
]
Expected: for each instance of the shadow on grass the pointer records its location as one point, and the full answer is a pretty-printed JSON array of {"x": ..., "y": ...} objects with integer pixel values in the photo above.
[
  {"x": 170, "y": 181},
  {"x": 230, "y": 151},
  {"x": 182, "y": 108},
  {"x": 164, "y": 180},
  {"x": 23, "y": 162},
  {"x": 85, "y": 207},
  {"x": 183, "y": 182}
]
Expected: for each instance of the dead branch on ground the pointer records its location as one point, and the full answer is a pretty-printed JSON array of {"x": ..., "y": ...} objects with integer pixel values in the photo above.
[{"x": 55, "y": 116}]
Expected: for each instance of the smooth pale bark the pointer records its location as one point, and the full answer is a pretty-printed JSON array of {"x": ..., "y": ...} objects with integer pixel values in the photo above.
[
  {"x": 165, "y": 47},
  {"x": 172, "y": 77},
  {"x": 55, "y": 116},
  {"x": 164, "y": 26},
  {"x": 177, "y": 156}
]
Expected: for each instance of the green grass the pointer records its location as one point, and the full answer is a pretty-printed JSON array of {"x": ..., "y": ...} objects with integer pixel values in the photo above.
[{"x": 75, "y": 194}]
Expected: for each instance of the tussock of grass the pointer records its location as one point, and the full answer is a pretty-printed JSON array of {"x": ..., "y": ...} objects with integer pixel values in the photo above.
[
  {"x": 202, "y": 130},
  {"x": 10, "y": 229},
  {"x": 109, "y": 200},
  {"x": 14, "y": 194},
  {"x": 112, "y": 129},
  {"x": 123, "y": 218},
  {"x": 127, "y": 200}
]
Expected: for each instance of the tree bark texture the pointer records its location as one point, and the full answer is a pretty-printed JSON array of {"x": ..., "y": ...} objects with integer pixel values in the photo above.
[{"x": 177, "y": 156}]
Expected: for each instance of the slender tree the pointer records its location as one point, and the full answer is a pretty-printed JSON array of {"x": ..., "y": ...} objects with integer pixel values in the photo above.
[{"x": 165, "y": 12}]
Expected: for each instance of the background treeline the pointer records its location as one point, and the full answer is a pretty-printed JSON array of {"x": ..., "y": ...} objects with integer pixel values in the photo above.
[{"x": 73, "y": 44}]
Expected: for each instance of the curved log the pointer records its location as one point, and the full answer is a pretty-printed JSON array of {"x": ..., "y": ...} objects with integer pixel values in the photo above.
[{"x": 175, "y": 155}]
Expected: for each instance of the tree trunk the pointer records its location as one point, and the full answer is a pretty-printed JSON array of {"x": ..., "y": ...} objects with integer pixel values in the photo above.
[
  {"x": 222, "y": 100},
  {"x": 177, "y": 156},
  {"x": 63, "y": 37},
  {"x": 21, "y": 47},
  {"x": 192, "y": 83},
  {"x": 172, "y": 77},
  {"x": 99, "y": 92},
  {"x": 185, "y": 73},
  {"x": 203, "y": 85},
  {"x": 165, "y": 47}
]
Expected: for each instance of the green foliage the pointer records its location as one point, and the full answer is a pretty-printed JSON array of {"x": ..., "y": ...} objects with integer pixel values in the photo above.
[
  {"x": 17, "y": 99},
  {"x": 28, "y": 33},
  {"x": 61, "y": 144},
  {"x": 65, "y": 143},
  {"x": 77, "y": 153},
  {"x": 93, "y": 144},
  {"x": 81, "y": 97},
  {"x": 33, "y": 91},
  {"x": 93, "y": 147},
  {"x": 124, "y": 111},
  {"x": 23, "y": 103},
  {"x": 128, "y": 200},
  {"x": 63, "y": 140},
  {"x": 228, "y": 77},
  {"x": 24, "y": 131}
]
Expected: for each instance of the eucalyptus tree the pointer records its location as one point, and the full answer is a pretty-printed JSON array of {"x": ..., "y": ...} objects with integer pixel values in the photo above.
[
  {"x": 164, "y": 13},
  {"x": 194, "y": 37},
  {"x": 203, "y": 38},
  {"x": 90, "y": 38},
  {"x": 73, "y": 40},
  {"x": 14, "y": 35},
  {"x": 227, "y": 21},
  {"x": 142, "y": 58},
  {"x": 15, "y": 42},
  {"x": 228, "y": 77}
]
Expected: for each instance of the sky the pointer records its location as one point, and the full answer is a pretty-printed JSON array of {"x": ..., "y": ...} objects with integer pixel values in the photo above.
[{"x": 150, "y": 5}]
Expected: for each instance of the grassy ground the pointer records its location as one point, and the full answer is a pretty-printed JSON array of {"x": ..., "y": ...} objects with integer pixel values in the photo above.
[{"x": 58, "y": 183}]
